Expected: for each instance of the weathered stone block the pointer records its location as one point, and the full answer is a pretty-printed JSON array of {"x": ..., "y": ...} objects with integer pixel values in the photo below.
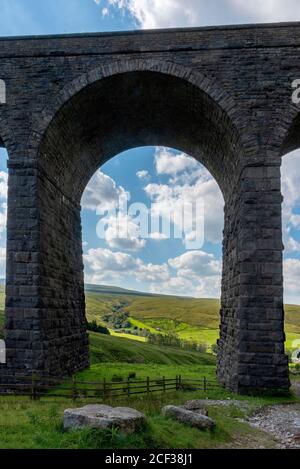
[{"x": 103, "y": 417}]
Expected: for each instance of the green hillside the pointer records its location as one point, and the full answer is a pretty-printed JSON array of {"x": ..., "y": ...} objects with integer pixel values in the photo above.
[
  {"x": 194, "y": 311},
  {"x": 190, "y": 319},
  {"x": 292, "y": 318},
  {"x": 104, "y": 348}
]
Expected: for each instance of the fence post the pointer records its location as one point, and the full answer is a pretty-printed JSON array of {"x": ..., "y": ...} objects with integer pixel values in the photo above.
[
  {"x": 33, "y": 386},
  {"x": 104, "y": 388},
  {"x": 204, "y": 384},
  {"x": 148, "y": 385},
  {"x": 164, "y": 384},
  {"x": 128, "y": 387},
  {"x": 74, "y": 388},
  {"x": 179, "y": 382}
]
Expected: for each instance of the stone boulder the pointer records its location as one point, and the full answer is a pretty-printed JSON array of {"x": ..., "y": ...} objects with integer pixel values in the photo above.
[
  {"x": 103, "y": 417},
  {"x": 196, "y": 406},
  {"x": 193, "y": 419}
]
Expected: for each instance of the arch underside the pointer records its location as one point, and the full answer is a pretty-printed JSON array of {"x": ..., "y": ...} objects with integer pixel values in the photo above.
[
  {"x": 292, "y": 138},
  {"x": 131, "y": 110}
]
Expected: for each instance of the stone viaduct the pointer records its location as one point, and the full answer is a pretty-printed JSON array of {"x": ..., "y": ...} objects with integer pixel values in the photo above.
[{"x": 220, "y": 94}]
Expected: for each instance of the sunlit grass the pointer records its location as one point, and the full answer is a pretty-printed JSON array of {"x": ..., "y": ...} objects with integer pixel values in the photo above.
[
  {"x": 123, "y": 335},
  {"x": 104, "y": 348}
]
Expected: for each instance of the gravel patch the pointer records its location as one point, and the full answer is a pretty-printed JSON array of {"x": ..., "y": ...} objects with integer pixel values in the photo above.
[{"x": 282, "y": 422}]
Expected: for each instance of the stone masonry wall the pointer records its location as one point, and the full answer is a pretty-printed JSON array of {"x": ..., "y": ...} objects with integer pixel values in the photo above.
[{"x": 251, "y": 355}]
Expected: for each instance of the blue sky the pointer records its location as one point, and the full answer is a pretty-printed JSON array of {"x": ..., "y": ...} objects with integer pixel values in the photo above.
[
  {"x": 160, "y": 178},
  {"x": 144, "y": 174}
]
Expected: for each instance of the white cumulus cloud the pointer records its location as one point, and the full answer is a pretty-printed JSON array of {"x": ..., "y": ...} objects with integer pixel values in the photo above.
[
  {"x": 196, "y": 264},
  {"x": 166, "y": 162},
  {"x": 143, "y": 174},
  {"x": 104, "y": 265},
  {"x": 290, "y": 184},
  {"x": 102, "y": 193},
  {"x": 169, "y": 199},
  {"x": 268, "y": 10},
  {"x": 149, "y": 14},
  {"x": 123, "y": 232},
  {"x": 291, "y": 275},
  {"x": 3, "y": 201},
  {"x": 2, "y": 262},
  {"x": 195, "y": 274}
]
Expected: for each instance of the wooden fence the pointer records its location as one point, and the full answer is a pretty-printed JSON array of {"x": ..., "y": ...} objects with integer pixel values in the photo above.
[{"x": 37, "y": 386}]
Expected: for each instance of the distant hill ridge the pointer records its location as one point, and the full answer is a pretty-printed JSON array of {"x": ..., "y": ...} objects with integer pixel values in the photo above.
[{"x": 110, "y": 289}]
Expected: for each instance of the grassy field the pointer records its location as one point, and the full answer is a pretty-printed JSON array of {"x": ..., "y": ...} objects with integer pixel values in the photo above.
[
  {"x": 105, "y": 348},
  {"x": 122, "y": 335},
  {"x": 38, "y": 424}
]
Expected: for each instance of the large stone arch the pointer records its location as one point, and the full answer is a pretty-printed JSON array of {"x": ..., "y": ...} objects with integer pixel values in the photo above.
[
  {"x": 103, "y": 112},
  {"x": 212, "y": 96},
  {"x": 207, "y": 84},
  {"x": 288, "y": 139}
]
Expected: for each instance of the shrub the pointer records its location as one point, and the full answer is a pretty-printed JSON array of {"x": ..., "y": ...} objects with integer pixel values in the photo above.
[
  {"x": 172, "y": 340},
  {"x": 214, "y": 348},
  {"x": 202, "y": 348},
  {"x": 132, "y": 375},
  {"x": 94, "y": 327}
]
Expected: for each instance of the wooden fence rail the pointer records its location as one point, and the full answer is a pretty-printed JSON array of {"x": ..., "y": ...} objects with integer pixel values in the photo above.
[{"x": 38, "y": 386}]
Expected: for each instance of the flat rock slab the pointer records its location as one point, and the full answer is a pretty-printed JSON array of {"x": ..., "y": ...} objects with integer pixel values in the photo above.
[
  {"x": 188, "y": 417},
  {"x": 103, "y": 417},
  {"x": 200, "y": 405}
]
